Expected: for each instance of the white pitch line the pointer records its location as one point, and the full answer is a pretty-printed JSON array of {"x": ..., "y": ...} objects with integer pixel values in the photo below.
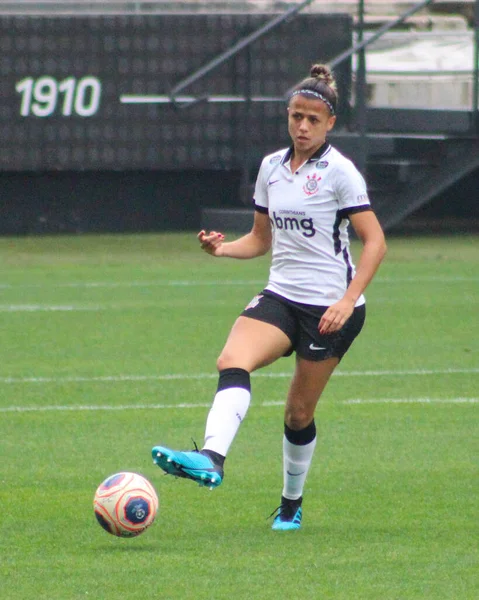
[
  {"x": 116, "y": 284},
  {"x": 233, "y": 282},
  {"x": 411, "y": 401},
  {"x": 427, "y": 279},
  {"x": 107, "y": 378},
  {"x": 93, "y": 407},
  {"x": 199, "y": 376},
  {"x": 125, "y": 407},
  {"x": 54, "y": 308}
]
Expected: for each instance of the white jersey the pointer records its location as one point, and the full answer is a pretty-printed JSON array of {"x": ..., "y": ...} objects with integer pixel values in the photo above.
[{"x": 308, "y": 210}]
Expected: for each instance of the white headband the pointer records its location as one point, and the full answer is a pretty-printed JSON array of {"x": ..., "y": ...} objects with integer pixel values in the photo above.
[{"x": 316, "y": 95}]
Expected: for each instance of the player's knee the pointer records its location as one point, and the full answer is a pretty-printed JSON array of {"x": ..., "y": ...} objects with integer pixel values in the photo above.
[
  {"x": 232, "y": 360},
  {"x": 297, "y": 417},
  {"x": 225, "y": 361}
]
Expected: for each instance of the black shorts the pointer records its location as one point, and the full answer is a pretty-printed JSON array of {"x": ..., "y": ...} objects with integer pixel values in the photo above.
[{"x": 300, "y": 323}]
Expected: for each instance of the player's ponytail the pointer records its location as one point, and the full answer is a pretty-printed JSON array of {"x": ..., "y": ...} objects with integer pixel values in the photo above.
[{"x": 320, "y": 84}]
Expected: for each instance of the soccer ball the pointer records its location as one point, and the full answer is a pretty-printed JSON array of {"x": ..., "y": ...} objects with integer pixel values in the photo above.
[{"x": 125, "y": 504}]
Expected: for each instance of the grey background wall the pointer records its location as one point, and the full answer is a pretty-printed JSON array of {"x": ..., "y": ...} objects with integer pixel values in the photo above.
[{"x": 77, "y": 155}]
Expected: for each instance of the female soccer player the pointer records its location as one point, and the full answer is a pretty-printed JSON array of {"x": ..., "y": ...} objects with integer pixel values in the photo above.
[{"x": 313, "y": 303}]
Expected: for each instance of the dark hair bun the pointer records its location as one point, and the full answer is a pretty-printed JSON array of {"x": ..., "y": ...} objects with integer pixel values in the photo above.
[{"x": 322, "y": 73}]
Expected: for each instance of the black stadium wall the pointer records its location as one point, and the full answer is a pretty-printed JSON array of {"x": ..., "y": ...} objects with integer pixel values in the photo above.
[
  {"x": 111, "y": 201},
  {"x": 91, "y": 140}
]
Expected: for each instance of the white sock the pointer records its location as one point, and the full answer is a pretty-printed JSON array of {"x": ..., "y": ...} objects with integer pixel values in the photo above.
[
  {"x": 296, "y": 463},
  {"x": 229, "y": 409}
]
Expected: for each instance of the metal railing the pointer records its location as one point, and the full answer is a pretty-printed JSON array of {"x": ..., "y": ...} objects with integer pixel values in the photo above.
[
  {"x": 359, "y": 49},
  {"x": 242, "y": 44},
  {"x": 181, "y": 100},
  {"x": 238, "y": 47},
  {"x": 475, "y": 87}
]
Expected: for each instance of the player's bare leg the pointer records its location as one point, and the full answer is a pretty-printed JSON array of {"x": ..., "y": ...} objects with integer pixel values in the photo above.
[
  {"x": 250, "y": 345},
  {"x": 299, "y": 441}
]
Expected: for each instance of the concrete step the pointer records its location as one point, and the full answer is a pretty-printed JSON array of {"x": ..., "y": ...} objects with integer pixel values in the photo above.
[{"x": 372, "y": 7}]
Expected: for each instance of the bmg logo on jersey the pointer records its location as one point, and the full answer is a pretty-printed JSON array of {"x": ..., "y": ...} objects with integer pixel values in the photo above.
[{"x": 293, "y": 223}]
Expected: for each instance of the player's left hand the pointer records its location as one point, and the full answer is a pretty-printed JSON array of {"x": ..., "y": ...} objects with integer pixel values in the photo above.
[{"x": 335, "y": 316}]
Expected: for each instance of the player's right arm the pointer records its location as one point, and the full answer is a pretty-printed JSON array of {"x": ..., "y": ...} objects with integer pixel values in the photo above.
[{"x": 255, "y": 243}]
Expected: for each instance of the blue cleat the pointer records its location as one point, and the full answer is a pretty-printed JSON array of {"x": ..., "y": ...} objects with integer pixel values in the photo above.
[
  {"x": 195, "y": 465},
  {"x": 288, "y": 515}
]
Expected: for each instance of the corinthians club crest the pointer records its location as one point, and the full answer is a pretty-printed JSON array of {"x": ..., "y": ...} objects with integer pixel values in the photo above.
[{"x": 311, "y": 185}]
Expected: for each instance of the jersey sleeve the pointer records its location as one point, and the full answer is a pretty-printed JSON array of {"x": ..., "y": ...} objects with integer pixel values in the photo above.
[
  {"x": 260, "y": 197},
  {"x": 351, "y": 190}
]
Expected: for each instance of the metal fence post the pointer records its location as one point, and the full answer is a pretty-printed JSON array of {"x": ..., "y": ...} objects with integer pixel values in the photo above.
[
  {"x": 361, "y": 101},
  {"x": 475, "y": 83},
  {"x": 245, "y": 192}
]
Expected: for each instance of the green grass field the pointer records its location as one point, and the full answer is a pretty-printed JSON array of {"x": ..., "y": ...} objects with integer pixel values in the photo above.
[{"x": 108, "y": 346}]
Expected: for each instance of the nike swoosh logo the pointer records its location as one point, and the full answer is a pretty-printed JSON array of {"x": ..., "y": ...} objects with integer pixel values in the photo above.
[
  {"x": 272, "y": 182},
  {"x": 314, "y": 347},
  {"x": 295, "y": 474}
]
